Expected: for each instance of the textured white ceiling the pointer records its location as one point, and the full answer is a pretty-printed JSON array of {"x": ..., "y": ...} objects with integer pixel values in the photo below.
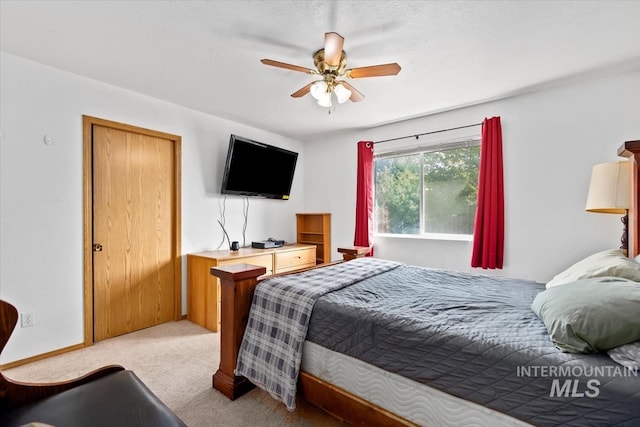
[{"x": 205, "y": 54}]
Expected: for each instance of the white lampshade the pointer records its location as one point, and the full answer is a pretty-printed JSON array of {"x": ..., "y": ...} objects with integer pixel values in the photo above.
[
  {"x": 325, "y": 99},
  {"x": 318, "y": 89},
  {"x": 609, "y": 188},
  {"x": 342, "y": 93}
]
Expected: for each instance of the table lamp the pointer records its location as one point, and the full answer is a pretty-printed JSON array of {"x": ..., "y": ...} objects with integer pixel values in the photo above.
[{"x": 609, "y": 193}]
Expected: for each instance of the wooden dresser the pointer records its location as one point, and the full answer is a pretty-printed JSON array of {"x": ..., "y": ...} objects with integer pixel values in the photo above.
[{"x": 203, "y": 289}]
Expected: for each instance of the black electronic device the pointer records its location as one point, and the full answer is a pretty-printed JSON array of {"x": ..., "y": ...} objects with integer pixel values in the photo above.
[
  {"x": 267, "y": 244},
  {"x": 258, "y": 169}
]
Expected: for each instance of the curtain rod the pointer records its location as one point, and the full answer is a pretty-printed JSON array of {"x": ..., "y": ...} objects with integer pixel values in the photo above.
[{"x": 427, "y": 133}]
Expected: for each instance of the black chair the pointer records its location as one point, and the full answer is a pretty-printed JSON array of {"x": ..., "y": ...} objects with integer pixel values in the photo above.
[{"x": 109, "y": 396}]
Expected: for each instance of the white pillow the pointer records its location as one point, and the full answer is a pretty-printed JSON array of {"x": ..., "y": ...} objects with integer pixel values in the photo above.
[{"x": 611, "y": 262}]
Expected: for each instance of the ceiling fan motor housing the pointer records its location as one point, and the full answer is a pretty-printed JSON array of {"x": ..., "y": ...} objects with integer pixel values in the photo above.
[{"x": 324, "y": 68}]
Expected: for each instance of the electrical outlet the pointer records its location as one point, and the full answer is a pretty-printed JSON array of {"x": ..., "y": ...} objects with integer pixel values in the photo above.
[{"x": 27, "y": 319}]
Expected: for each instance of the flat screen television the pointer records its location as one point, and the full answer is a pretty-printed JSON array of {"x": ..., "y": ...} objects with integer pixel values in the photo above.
[{"x": 257, "y": 169}]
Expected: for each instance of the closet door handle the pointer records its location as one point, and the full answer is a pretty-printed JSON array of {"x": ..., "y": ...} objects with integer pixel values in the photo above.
[{"x": 97, "y": 247}]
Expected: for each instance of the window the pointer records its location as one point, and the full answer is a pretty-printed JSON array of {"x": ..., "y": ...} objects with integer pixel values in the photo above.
[{"x": 428, "y": 190}]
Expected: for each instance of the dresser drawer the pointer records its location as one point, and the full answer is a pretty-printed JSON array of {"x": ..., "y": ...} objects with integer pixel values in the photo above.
[
  {"x": 265, "y": 260},
  {"x": 203, "y": 289},
  {"x": 296, "y": 259}
]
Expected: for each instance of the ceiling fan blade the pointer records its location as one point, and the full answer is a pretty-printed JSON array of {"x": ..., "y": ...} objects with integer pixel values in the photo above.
[
  {"x": 302, "y": 91},
  {"x": 356, "y": 95},
  {"x": 373, "y": 71},
  {"x": 333, "y": 43},
  {"x": 288, "y": 66}
]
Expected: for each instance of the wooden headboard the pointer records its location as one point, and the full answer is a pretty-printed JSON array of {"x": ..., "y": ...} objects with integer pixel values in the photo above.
[{"x": 631, "y": 150}]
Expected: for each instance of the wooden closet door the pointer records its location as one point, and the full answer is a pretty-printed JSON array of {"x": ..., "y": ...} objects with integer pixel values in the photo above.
[{"x": 133, "y": 220}]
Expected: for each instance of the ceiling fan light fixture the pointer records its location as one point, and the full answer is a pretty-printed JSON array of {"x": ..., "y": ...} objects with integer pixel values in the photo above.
[
  {"x": 319, "y": 89},
  {"x": 342, "y": 93}
]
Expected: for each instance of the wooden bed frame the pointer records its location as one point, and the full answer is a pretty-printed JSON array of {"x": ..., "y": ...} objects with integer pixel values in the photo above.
[
  {"x": 237, "y": 286},
  {"x": 631, "y": 150}
]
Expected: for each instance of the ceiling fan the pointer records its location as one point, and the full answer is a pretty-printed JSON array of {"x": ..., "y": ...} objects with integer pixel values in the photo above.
[{"x": 331, "y": 65}]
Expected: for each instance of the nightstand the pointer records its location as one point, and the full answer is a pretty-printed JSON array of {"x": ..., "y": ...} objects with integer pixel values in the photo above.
[{"x": 354, "y": 252}]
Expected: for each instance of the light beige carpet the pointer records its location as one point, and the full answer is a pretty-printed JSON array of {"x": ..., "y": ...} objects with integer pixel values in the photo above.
[{"x": 176, "y": 361}]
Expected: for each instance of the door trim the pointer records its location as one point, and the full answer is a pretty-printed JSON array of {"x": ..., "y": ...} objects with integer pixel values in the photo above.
[{"x": 87, "y": 234}]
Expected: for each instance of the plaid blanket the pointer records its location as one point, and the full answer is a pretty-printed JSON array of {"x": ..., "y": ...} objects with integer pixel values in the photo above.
[{"x": 271, "y": 348}]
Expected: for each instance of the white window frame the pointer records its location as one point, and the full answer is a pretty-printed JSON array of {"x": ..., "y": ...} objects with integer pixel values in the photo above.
[{"x": 420, "y": 149}]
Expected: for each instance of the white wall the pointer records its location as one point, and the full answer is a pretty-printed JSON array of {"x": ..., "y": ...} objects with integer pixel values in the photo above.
[
  {"x": 41, "y": 191},
  {"x": 551, "y": 139}
]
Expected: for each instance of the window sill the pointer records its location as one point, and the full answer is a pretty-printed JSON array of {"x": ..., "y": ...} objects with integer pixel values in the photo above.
[{"x": 428, "y": 236}]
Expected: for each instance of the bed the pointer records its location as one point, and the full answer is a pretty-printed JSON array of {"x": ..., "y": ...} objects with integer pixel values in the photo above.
[{"x": 439, "y": 347}]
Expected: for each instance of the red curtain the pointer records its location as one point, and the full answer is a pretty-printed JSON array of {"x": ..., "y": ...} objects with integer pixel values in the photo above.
[
  {"x": 488, "y": 231},
  {"x": 364, "y": 196}
]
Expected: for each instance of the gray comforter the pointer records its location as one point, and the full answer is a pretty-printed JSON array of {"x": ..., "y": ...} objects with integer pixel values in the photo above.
[{"x": 477, "y": 338}]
